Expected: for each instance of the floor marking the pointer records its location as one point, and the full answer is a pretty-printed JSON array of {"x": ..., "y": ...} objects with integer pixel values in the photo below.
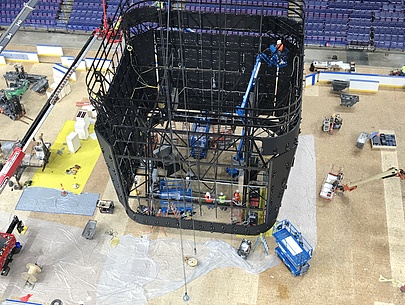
[{"x": 395, "y": 216}]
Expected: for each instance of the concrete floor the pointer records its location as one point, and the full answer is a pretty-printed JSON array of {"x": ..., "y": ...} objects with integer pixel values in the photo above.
[{"x": 359, "y": 234}]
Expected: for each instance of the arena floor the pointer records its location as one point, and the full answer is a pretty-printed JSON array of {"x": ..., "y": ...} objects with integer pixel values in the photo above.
[{"x": 359, "y": 235}]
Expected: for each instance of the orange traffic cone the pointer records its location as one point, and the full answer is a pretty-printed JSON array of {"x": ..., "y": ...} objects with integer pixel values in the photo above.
[{"x": 64, "y": 193}]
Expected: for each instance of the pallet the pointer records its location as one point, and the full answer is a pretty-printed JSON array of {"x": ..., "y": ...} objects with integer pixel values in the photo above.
[{"x": 384, "y": 140}]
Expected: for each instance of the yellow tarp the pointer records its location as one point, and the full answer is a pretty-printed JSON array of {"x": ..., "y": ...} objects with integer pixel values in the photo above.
[{"x": 62, "y": 160}]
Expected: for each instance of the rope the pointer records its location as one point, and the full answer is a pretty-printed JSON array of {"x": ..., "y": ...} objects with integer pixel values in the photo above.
[
  {"x": 186, "y": 297},
  {"x": 395, "y": 282}
]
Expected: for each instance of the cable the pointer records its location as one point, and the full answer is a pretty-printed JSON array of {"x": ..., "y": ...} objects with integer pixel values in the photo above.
[{"x": 186, "y": 296}]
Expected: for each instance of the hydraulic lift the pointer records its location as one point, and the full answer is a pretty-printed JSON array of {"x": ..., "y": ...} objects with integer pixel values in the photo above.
[{"x": 292, "y": 248}]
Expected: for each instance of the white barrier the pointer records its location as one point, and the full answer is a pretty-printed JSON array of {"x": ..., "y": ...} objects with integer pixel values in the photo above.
[
  {"x": 96, "y": 61},
  {"x": 20, "y": 56},
  {"x": 383, "y": 80},
  {"x": 2, "y": 60},
  {"x": 67, "y": 61},
  {"x": 59, "y": 71},
  {"x": 49, "y": 50},
  {"x": 364, "y": 85},
  {"x": 311, "y": 79}
]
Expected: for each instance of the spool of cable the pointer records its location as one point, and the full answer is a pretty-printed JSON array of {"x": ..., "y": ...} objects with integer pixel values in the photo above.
[
  {"x": 56, "y": 302},
  {"x": 31, "y": 275},
  {"x": 192, "y": 262}
]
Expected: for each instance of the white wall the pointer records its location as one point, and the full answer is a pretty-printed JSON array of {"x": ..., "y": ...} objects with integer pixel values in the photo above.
[
  {"x": 67, "y": 61},
  {"x": 49, "y": 50},
  {"x": 383, "y": 80},
  {"x": 20, "y": 56}
]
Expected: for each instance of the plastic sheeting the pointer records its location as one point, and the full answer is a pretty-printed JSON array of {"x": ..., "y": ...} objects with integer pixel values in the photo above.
[
  {"x": 76, "y": 269},
  {"x": 70, "y": 263},
  {"x": 299, "y": 200},
  {"x": 48, "y": 200},
  {"x": 140, "y": 268}
]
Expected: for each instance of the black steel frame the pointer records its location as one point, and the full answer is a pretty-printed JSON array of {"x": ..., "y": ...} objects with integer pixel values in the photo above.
[{"x": 181, "y": 62}]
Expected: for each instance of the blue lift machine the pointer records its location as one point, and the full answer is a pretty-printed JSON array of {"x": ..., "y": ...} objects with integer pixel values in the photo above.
[{"x": 292, "y": 248}]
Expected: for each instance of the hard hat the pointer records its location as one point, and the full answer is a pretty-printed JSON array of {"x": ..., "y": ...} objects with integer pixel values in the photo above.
[
  {"x": 221, "y": 194},
  {"x": 279, "y": 41},
  {"x": 207, "y": 194},
  {"x": 237, "y": 191}
]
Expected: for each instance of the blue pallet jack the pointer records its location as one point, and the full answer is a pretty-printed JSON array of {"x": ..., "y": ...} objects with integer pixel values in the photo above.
[{"x": 292, "y": 249}]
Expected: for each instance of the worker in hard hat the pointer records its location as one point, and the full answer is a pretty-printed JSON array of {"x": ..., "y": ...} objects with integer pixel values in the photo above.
[
  {"x": 279, "y": 46},
  {"x": 279, "y": 53},
  {"x": 209, "y": 199},
  {"x": 222, "y": 199},
  {"x": 236, "y": 198}
]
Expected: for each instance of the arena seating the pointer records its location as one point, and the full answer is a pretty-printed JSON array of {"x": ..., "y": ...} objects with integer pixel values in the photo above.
[
  {"x": 86, "y": 15},
  {"x": 360, "y": 24},
  {"x": 44, "y": 16}
]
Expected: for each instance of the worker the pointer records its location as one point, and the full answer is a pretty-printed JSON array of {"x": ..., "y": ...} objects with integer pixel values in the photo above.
[
  {"x": 403, "y": 70},
  {"x": 280, "y": 56},
  {"x": 118, "y": 23},
  {"x": 279, "y": 46},
  {"x": 222, "y": 199},
  {"x": 209, "y": 199},
  {"x": 236, "y": 198}
]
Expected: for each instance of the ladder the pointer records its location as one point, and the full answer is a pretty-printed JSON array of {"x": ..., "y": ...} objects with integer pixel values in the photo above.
[{"x": 263, "y": 240}]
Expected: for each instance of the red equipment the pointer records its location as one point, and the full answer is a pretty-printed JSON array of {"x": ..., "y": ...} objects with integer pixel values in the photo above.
[
  {"x": 11, "y": 167},
  {"x": 109, "y": 29},
  {"x": 112, "y": 33},
  {"x": 9, "y": 245}
]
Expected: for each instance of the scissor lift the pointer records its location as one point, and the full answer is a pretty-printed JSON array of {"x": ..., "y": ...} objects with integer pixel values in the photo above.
[{"x": 292, "y": 248}]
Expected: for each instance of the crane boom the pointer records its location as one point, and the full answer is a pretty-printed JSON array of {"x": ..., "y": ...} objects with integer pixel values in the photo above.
[
  {"x": 391, "y": 172},
  {"x": 16, "y": 24},
  {"x": 14, "y": 161}
]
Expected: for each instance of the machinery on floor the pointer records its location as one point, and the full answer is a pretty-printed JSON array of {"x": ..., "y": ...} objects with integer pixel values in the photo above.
[
  {"x": 9, "y": 246},
  {"x": 333, "y": 181},
  {"x": 244, "y": 248},
  {"x": 39, "y": 83},
  {"x": 332, "y": 66},
  {"x": 340, "y": 85},
  {"x": 398, "y": 72},
  {"x": 38, "y": 154},
  {"x": 14, "y": 165},
  {"x": 18, "y": 82},
  {"x": 391, "y": 172},
  {"x": 348, "y": 100},
  {"x": 17, "y": 88},
  {"x": 12, "y": 107},
  {"x": 205, "y": 120},
  {"x": 362, "y": 139},
  {"x": 331, "y": 123},
  {"x": 292, "y": 248}
]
